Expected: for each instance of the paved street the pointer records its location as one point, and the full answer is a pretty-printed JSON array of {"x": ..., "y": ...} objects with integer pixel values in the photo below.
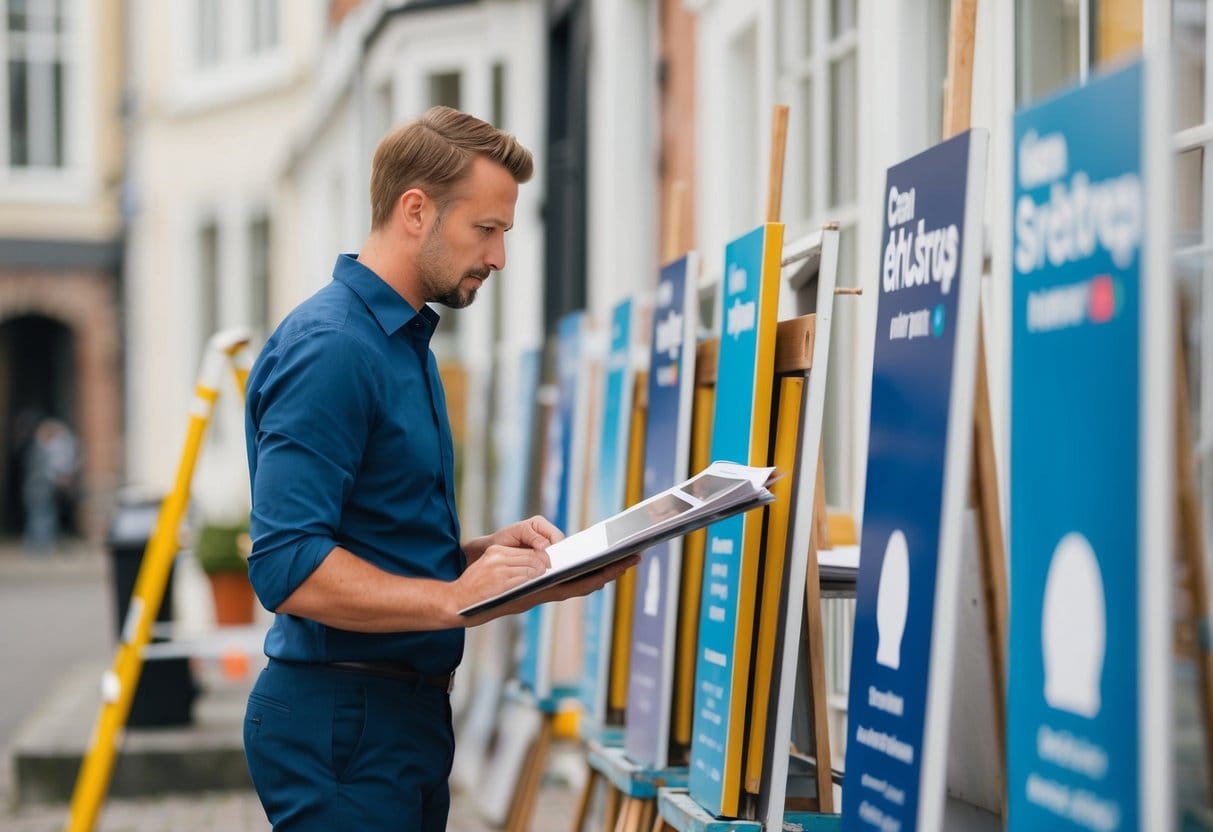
[{"x": 56, "y": 616}]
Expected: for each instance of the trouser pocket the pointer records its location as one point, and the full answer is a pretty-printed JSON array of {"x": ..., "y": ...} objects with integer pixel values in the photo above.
[{"x": 349, "y": 726}]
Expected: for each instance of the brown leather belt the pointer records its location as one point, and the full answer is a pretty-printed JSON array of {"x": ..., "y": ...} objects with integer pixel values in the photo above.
[{"x": 397, "y": 670}]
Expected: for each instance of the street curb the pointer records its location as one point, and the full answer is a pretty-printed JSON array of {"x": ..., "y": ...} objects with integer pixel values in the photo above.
[{"x": 205, "y": 756}]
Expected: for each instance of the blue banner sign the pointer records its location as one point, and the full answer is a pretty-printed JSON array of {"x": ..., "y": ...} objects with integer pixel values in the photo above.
[
  {"x": 667, "y": 448},
  {"x": 1074, "y": 760},
  {"x": 740, "y": 433},
  {"x": 610, "y": 481},
  {"x": 917, "y": 477},
  {"x": 534, "y": 669}
]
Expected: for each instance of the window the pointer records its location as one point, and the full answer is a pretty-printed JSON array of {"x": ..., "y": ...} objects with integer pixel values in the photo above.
[
  {"x": 263, "y": 29},
  {"x": 225, "y": 33},
  {"x": 818, "y": 78},
  {"x": 207, "y": 33},
  {"x": 37, "y": 47},
  {"x": 259, "y": 273},
  {"x": 444, "y": 89},
  {"x": 1057, "y": 43},
  {"x": 498, "y": 112},
  {"x": 208, "y": 281}
]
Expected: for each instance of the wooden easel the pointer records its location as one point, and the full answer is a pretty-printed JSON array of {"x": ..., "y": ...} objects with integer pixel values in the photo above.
[{"x": 793, "y": 360}]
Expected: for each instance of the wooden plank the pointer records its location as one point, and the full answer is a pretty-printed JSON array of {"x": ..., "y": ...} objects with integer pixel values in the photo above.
[
  {"x": 672, "y": 246},
  {"x": 815, "y": 649},
  {"x": 707, "y": 354},
  {"x": 794, "y": 345},
  {"x": 779, "y": 144},
  {"x": 625, "y": 589},
  {"x": 992, "y": 558},
  {"x": 693, "y": 551},
  {"x": 958, "y": 97},
  {"x": 787, "y": 426}
]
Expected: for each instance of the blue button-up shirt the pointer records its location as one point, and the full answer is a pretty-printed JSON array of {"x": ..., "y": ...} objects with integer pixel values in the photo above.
[{"x": 349, "y": 445}]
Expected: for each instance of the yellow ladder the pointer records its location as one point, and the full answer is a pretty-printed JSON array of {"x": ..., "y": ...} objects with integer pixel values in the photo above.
[{"x": 119, "y": 682}]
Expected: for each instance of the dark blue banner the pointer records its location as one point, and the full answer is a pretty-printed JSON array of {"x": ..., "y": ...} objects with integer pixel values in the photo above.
[
  {"x": 666, "y": 460},
  {"x": 921, "y": 299}
]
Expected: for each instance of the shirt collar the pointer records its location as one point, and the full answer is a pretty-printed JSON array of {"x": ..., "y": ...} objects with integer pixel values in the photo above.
[{"x": 391, "y": 311}]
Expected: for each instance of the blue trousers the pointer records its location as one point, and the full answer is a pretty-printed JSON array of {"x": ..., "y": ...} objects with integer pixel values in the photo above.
[{"x": 333, "y": 750}]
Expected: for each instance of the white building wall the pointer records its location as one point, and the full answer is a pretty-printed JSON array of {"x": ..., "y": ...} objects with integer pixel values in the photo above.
[{"x": 207, "y": 148}]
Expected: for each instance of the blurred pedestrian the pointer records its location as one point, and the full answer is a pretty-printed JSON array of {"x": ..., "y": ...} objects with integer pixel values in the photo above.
[{"x": 51, "y": 463}]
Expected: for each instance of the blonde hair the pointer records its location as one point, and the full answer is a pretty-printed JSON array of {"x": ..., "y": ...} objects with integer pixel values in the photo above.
[{"x": 434, "y": 152}]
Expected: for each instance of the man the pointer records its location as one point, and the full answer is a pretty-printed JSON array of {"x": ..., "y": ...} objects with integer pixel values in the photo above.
[{"x": 356, "y": 539}]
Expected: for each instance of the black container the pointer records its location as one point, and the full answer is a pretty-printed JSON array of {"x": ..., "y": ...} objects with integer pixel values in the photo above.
[{"x": 166, "y": 691}]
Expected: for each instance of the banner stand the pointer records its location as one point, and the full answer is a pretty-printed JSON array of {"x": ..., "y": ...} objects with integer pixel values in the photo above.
[{"x": 794, "y": 366}]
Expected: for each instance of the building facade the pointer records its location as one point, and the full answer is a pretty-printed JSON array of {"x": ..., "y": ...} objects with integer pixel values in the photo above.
[
  {"x": 61, "y": 243},
  {"x": 214, "y": 87}
]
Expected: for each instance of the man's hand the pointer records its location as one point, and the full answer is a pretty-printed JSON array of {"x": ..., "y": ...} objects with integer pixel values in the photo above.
[
  {"x": 560, "y": 592},
  {"x": 533, "y": 533},
  {"x": 498, "y": 569}
]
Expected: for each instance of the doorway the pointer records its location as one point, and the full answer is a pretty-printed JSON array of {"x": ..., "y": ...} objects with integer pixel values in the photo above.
[{"x": 37, "y": 381}]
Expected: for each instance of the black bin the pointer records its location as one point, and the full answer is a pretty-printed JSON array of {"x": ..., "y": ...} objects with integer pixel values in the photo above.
[{"x": 166, "y": 691}]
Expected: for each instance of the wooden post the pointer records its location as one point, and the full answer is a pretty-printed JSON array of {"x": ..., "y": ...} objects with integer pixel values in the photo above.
[
  {"x": 674, "y": 243},
  {"x": 815, "y": 649},
  {"x": 958, "y": 95},
  {"x": 779, "y": 143}
]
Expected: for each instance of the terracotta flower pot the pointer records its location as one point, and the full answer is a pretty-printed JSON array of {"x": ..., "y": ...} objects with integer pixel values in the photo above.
[{"x": 234, "y": 598}]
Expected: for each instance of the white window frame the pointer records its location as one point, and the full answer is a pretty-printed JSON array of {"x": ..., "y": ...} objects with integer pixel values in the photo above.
[
  {"x": 64, "y": 183},
  {"x": 238, "y": 72}
]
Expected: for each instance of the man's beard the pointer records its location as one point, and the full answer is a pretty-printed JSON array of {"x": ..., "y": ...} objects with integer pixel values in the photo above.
[{"x": 433, "y": 266}]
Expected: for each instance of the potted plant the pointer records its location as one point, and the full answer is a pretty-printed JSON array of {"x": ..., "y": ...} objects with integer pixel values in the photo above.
[{"x": 222, "y": 552}]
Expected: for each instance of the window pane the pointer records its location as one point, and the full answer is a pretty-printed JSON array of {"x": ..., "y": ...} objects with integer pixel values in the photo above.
[
  {"x": 208, "y": 32},
  {"x": 208, "y": 281},
  {"x": 1047, "y": 47},
  {"x": 383, "y": 109},
  {"x": 445, "y": 89},
  {"x": 499, "y": 95},
  {"x": 797, "y": 28},
  {"x": 18, "y": 115},
  {"x": 1189, "y": 39},
  {"x": 843, "y": 128},
  {"x": 842, "y": 17},
  {"x": 265, "y": 25},
  {"x": 18, "y": 15},
  {"x": 805, "y": 161},
  {"x": 1189, "y": 179},
  {"x": 259, "y": 273},
  {"x": 57, "y": 115}
]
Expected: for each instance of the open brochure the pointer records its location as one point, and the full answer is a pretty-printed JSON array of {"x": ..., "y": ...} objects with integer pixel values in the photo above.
[{"x": 720, "y": 490}]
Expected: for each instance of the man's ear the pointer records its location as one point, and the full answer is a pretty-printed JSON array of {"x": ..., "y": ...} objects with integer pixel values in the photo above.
[{"x": 414, "y": 207}]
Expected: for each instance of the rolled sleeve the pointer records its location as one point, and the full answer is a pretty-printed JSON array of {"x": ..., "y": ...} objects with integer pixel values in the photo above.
[{"x": 311, "y": 407}]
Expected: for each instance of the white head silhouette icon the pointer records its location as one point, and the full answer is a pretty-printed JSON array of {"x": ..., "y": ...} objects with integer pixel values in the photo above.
[
  {"x": 652, "y": 588},
  {"x": 1073, "y": 628},
  {"x": 892, "y": 600}
]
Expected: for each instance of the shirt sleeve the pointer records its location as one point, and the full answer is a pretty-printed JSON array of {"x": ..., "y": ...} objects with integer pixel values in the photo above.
[{"x": 310, "y": 411}]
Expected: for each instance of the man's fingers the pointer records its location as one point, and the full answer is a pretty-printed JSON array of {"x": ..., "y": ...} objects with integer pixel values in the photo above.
[{"x": 543, "y": 532}]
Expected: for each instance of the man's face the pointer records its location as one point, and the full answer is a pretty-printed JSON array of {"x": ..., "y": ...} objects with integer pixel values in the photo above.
[{"x": 467, "y": 240}]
